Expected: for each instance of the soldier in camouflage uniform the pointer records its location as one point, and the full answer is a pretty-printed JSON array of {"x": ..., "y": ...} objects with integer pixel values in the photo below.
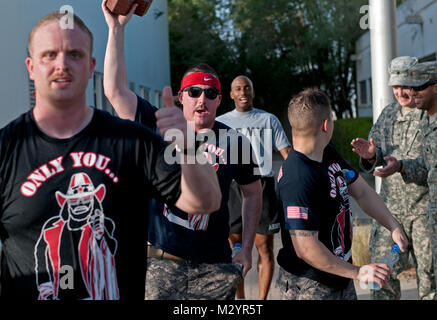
[
  {"x": 423, "y": 169},
  {"x": 396, "y": 134}
]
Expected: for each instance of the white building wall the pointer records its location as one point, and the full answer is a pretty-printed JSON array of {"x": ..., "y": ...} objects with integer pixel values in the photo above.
[
  {"x": 147, "y": 48},
  {"x": 419, "y": 40}
]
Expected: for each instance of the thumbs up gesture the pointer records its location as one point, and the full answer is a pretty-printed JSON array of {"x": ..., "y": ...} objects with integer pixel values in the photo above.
[{"x": 171, "y": 122}]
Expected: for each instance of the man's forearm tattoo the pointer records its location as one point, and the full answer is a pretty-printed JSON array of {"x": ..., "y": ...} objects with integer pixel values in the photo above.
[{"x": 302, "y": 233}]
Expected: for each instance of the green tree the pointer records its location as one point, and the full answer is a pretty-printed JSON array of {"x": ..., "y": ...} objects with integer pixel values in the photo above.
[
  {"x": 289, "y": 45},
  {"x": 282, "y": 45},
  {"x": 195, "y": 31}
]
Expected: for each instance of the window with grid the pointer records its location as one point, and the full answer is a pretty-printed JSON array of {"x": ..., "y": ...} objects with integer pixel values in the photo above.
[
  {"x": 100, "y": 100},
  {"x": 363, "y": 92},
  {"x": 32, "y": 99},
  {"x": 144, "y": 92}
]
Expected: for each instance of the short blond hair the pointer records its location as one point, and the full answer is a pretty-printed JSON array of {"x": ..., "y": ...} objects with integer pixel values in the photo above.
[
  {"x": 57, "y": 16},
  {"x": 307, "y": 111}
]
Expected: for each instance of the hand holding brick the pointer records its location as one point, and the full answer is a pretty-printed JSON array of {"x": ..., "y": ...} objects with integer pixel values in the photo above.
[{"x": 122, "y": 7}]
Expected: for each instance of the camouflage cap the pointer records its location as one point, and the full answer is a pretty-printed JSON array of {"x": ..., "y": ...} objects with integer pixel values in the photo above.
[
  {"x": 422, "y": 73},
  {"x": 399, "y": 70}
]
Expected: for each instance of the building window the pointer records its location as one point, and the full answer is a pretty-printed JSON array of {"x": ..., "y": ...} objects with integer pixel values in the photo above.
[
  {"x": 370, "y": 91},
  {"x": 100, "y": 100},
  {"x": 144, "y": 92},
  {"x": 158, "y": 99},
  {"x": 363, "y": 92},
  {"x": 32, "y": 93}
]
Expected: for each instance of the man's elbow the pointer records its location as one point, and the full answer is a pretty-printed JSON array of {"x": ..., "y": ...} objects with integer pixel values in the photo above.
[
  {"x": 303, "y": 251},
  {"x": 111, "y": 93},
  {"x": 301, "y": 254}
]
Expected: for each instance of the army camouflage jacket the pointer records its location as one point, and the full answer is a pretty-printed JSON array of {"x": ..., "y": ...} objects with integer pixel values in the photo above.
[
  {"x": 397, "y": 134},
  {"x": 424, "y": 168}
]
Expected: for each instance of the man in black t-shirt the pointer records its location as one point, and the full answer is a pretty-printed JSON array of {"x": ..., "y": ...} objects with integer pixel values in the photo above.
[
  {"x": 189, "y": 255},
  {"x": 313, "y": 188},
  {"x": 73, "y": 181}
]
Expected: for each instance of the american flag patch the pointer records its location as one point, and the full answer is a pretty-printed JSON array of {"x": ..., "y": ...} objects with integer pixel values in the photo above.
[{"x": 294, "y": 212}]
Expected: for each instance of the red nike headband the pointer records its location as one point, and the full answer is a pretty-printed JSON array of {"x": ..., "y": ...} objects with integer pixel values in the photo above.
[{"x": 200, "y": 78}]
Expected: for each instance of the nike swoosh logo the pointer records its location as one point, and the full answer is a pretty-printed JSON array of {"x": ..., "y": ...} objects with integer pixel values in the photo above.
[{"x": 207, "y": 79}]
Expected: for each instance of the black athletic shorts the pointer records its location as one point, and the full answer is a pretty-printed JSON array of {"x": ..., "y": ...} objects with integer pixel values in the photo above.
[{"x": 269, "y": 220}]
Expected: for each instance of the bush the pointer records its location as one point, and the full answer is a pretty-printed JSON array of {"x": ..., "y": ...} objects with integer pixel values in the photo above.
[{"x": 345, "y": 130}]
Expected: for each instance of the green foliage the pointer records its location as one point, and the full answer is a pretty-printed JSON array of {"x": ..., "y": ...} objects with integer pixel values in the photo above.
[
  {"x": 194, "y": 33},
  {"x": 284, "y": 46},
  {"x": 345, "y": 130},
  {"x": 299, "y": 44}
]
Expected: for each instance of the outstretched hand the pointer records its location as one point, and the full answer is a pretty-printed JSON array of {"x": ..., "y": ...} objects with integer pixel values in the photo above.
[
  {"x": 393, "y": 166},
  {"x": 365, "y": 149},
  {"x": 116, "y": 20}
]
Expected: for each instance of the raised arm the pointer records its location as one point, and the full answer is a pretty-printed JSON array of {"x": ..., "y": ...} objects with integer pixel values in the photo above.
[{"x": 115, "y": 86}]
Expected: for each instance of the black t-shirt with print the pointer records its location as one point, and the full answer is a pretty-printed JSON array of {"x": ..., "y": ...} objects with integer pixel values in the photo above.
[
  {"x": 145, "y": 113},
  {"x": 203, "y": 238},
  {"x": 73, "y": 220},
  {"x": 314, "y": 196}
]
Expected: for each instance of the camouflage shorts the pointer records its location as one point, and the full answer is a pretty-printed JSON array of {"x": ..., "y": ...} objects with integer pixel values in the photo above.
[
  {"x": 172, "y": 280},
  {"x": 300, "y": 288}
]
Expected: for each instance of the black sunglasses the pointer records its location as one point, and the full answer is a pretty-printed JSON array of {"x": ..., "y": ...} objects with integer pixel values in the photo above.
[
  {"x": 196, "y": 92},
  {"x": 423, "y": 86}
]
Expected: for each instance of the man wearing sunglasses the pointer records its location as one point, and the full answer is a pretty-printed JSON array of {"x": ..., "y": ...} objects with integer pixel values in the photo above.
[
  {"x": 266, "y": 134},
  {"x": 423, "y": 169},
  {"x": 189, "y": 257},
  {"x": 396, "y": 133}
]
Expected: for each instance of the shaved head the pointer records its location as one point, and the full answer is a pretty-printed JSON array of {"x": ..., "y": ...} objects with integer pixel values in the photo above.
[
  {"x": 242, "y": 93},
  {"x": 242, "y": 77}
]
